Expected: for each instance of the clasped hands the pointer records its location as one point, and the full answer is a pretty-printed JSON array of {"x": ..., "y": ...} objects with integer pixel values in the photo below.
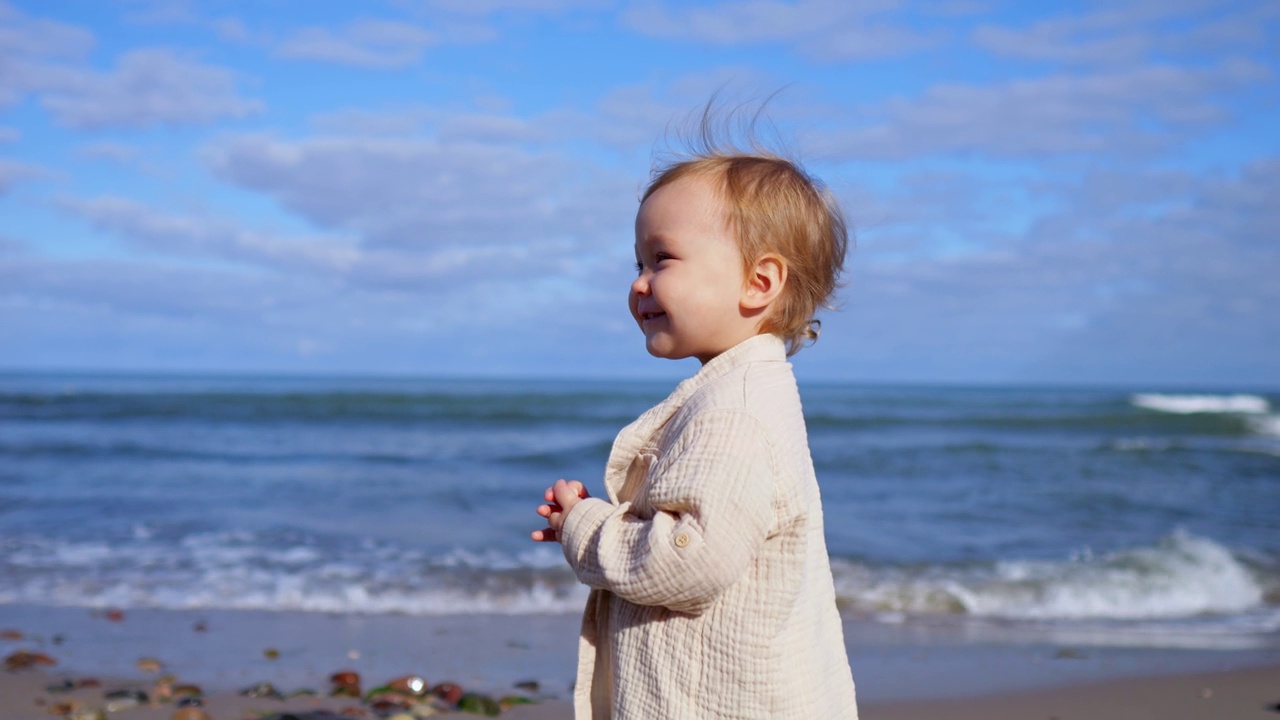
[{"x": 560, "y": 497}]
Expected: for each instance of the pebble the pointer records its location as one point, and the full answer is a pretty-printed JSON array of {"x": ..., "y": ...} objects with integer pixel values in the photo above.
[
  {"x": 479, "y": 704},
  {"x": 10, "y": 634},
  {"x": 449, "y": 692},
  {"x": 25, "y": 660},
  {"x": 410, "y": 685},
  {"x": 64, "y": 685},
  {"x": 344, "y": 683},
  {"x": 262, "y": 690},
  {"x": 190, "y": 713},
  {"x": 150, "y": 665}
]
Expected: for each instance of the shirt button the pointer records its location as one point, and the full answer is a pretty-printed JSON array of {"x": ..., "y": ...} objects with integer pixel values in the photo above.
[{"x": 682, "y": 540}]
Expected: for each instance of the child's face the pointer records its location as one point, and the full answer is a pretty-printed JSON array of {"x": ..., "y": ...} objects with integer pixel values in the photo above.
[{"x": 687, "y": 296}]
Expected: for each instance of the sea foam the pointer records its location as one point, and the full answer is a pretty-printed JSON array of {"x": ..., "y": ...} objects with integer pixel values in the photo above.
[
  {"x": 1189, "y": 404},
  {"x": 1183, "y": 576}
]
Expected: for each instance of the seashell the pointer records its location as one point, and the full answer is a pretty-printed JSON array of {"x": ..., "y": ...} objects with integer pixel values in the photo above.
[
  {"x": 271, "y": 654},
  {"x": 150, "y": 665},
  {"x": 123, "y": 703}
]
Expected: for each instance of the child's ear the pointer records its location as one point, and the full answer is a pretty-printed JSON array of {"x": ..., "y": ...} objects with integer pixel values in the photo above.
[{"x": 764, "y": 282}]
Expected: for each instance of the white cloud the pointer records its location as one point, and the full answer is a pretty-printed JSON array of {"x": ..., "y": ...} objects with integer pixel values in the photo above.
[
  {"x": 488, "y": 7},
  {"x": 11, "y": 172},
  {"x": 823, "y": 29},
  {"x": 364, "y": 43},
  {"x": 147, "y": 87},
  {"x": 1155, "y": 276},
  {"x": 423, "y": 193},
  {"x": 107, "y": 150},
  {"x": 173, "y": 235},
  {"x": 1133, "y": 33},
  {"x": 1119, "y": 111}
]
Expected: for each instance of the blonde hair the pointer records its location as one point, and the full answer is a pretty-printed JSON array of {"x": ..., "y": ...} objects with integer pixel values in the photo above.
[{"x": 773, "y": 206}]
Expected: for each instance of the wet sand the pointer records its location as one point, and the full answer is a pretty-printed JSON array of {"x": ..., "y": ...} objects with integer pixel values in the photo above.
[{"x": 901, "y": 672}]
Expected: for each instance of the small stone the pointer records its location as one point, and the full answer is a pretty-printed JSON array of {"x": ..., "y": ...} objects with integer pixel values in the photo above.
[
  {"x": 1206, "y": 693},
  {"x": 262, "y": 690},
  {"x": 449, "y": 692},
  {"x": 114, "y": 615},
  {"x": 190, "y": 713},
  {"x": 414, "y": 685},
  {"x": 200, "y": 626},
  {"x": 354, "y": 711},
  {"x": 183, "y": 692},
  {"x": 11, "y": 634},
  {"x": 191, "y": 701},
  {"x": 150, "y": 665},
  {"x": 87, "y": 715},
  {"x": 344, "y": 683},
  {"x": 1069, "y": 654},
  {"x": 527, "y": 685},
  {"x": 479, "y": 705},
  {"x": 64, "y": 708},
  {"x": 510, "y": 701},
  {"x": 389, "y": 703},
  {"x": 63, "y": 685},
  {"x": 89, "y": 682},
  {"x": 401, "y": 716},
  {"x": 271, "y": 654},
  {"x": 129, "y": 694},
  {"x": 121, "y": 703},
  {"x": 26, "y": 659}
]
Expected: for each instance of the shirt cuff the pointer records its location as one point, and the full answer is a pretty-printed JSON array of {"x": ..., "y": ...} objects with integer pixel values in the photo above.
[{"x": 580, "y": 525}]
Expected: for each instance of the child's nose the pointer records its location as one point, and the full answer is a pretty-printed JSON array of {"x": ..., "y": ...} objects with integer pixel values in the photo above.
[{"x": 640, "y": 286}]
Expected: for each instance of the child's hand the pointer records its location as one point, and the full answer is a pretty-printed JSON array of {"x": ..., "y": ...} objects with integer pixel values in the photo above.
[{"x": 560, "y": 498}]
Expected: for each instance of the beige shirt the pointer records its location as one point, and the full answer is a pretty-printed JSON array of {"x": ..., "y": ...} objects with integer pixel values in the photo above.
[{"x": 711, "y": 585}]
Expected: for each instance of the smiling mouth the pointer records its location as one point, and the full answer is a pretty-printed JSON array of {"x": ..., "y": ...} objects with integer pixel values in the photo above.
[{"x": 647, "y": 316}]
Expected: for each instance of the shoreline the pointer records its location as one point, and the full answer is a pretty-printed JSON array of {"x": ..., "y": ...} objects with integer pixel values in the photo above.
[{"x": 939, "y": 670}]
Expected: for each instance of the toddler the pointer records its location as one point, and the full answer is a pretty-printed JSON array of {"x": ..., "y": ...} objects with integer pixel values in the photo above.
[{"x": 711, "y": 591}]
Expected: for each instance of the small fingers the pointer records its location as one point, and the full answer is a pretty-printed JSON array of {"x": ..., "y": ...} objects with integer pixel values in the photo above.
[{"x": 544, "y": 535}]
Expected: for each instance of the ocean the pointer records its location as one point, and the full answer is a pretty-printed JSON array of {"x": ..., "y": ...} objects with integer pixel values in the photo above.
[{"x": 1130, "y": 516}]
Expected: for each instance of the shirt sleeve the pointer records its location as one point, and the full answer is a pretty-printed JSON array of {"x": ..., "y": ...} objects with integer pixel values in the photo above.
[{"x": 712, "y": 497}]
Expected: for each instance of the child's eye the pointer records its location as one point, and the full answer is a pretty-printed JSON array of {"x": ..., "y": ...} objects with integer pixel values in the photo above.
[
  {"x": 662, "y": 256},
  {"x": 639, "y": 267}
]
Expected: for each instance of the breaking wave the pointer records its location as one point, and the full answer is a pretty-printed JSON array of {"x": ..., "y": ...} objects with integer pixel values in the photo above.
[
  {"x": 1188, "y": 404},
  {"x": 1183, "y": 576}
]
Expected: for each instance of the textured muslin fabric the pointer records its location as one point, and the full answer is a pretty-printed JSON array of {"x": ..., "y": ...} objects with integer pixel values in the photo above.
[{"x": 711, "y": 586}]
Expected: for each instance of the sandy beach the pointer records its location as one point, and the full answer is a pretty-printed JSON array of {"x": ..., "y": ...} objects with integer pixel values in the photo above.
[{"x": 900, "y": 674}]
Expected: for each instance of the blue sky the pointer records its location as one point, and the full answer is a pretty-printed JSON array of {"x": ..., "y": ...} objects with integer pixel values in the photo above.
[{"x": 1041, "y": 192}]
